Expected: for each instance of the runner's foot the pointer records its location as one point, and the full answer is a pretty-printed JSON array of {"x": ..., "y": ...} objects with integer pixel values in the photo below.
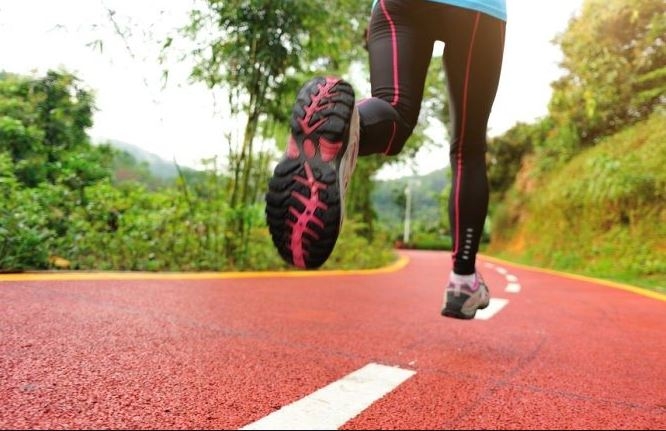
[
  {"x": 305, "y": 200},
  {"x": 463, "y": 298}
]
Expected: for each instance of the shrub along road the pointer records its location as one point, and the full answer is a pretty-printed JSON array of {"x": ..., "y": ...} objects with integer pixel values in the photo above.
[{"x": 348, "y": 350}]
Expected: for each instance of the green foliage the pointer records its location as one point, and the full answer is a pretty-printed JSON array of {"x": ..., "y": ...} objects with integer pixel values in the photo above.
[
  {"x": 506, "y": 153},
  {"x": 353, "y": 250},
  {"x": 389, "y": 200},
  {"x": 423, "y": 240},
  {"x": 129, "y": 229},
  {"x": 23, "y": 232},
  {"x": 42, "y": 128},
  {"x": 47, "y": 163},
  {"x": 615, "y": 53},
  {"x": 252, "y": 44},
  {"x": 64, "y": 200},
  {"x": 358, "y": 199},
  {"x": 602, "y": 214}
]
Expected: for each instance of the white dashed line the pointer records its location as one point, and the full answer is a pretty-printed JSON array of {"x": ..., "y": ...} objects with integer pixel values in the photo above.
[
  {"x": 496, "y": 304},
  {"x": 512, "y": 288},
  {"x": 332, "y": 406}
]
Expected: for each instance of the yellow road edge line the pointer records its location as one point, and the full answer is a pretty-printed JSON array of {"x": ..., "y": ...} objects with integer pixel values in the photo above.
[
  {"x": 400, "y": 263},
  {"x": 607, "y": 283}
]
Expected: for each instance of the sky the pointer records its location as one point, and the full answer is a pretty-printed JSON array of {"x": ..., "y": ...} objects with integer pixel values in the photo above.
[{"x": 185, "y": 122}]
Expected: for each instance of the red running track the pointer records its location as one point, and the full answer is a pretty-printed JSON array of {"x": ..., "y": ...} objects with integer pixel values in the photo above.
[{"x": 220, "y": 351}]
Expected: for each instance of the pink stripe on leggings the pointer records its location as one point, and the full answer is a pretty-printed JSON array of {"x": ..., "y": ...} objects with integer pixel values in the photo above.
[
  {"x": 463, "y": 124},
  {"x": 394, "y": 42}
]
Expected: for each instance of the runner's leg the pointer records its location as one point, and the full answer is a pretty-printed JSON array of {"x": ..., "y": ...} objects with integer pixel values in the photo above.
[
  {"x": 472, "y": 61},
  {"x": 400, "y": 52}
]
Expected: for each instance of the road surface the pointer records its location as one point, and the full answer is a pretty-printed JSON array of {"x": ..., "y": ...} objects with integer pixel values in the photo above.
[{"x": 329, "y": 350}]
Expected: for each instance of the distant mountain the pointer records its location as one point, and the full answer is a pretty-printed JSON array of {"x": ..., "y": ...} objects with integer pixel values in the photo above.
[{"x": 157, "y": 166}]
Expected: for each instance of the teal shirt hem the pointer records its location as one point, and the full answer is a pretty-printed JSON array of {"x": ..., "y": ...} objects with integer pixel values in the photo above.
[{"x": 495, "y": 8}]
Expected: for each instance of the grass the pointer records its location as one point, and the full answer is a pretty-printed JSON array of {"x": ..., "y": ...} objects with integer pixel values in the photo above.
[
  {"x": 653, "y": 282},
  {"x": 601, "y": 215}
]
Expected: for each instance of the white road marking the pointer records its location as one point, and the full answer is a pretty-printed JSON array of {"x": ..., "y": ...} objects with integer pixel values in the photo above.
[
  {"x": 332, "y": 406},
  {"x": 496, "y": 304},
  {"x": 501, "y": 270},
  {"x": 511, "y": 278},
  {"x": 512, "y": 288}
]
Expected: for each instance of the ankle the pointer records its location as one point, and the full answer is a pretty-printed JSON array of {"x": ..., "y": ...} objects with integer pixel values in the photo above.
[{"x": 468, "y": 279}]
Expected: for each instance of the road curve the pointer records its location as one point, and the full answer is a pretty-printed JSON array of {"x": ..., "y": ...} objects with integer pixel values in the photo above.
[{"x": 347, "y": 350}]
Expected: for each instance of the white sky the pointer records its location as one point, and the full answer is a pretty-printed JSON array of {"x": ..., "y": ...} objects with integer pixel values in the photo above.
[{"x": 182, "y": 122}]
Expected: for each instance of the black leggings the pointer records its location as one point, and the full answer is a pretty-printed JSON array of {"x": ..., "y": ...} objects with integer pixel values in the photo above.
[{"x": 401, "y": 37}]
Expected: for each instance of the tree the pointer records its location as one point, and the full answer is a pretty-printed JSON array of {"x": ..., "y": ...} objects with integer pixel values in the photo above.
[
  {"x": 615, "y": 55},
  {"x": 47, "y": 162},
  {"x": 506, "y": 152},
  {"x": 43, "y": 124},
  {"x": 259, "y": 52}
]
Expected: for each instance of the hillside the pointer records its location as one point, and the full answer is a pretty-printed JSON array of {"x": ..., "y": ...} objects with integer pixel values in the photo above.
[
  {"x": 602, "y": 214},
  {"x": 157, "y": 166}
]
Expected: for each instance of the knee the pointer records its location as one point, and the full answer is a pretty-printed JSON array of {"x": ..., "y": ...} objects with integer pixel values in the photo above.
[
  {"x": 383, "y": 130},
  {"x": 472, "y": 147},
  {"x": 401, "y": 132}
]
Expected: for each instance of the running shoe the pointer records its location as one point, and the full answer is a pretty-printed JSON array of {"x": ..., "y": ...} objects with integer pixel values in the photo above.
[
  {"x": 305, "y": 198},
  {"x": 462, "y": 300}
]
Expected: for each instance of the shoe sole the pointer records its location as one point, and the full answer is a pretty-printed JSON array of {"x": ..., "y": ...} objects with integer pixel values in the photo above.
[{"x": 305, "y": 202}]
